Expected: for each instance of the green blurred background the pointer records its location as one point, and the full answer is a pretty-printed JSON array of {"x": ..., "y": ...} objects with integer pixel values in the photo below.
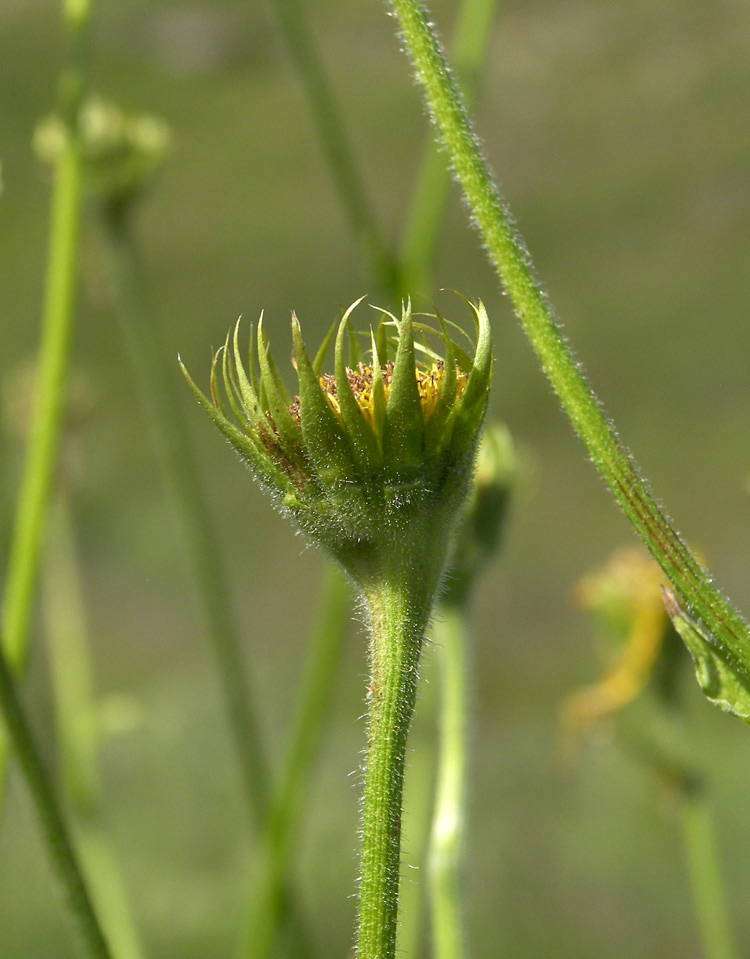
[{"x": 621, "y": 135}]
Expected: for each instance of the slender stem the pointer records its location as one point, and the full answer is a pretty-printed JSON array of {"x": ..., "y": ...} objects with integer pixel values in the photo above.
[
  {"x": 507, "y": 252},
  {"x": 53, "y": 827},
  {"x": 417, "y": 817},
  {"x": 78, "y": 731},
  {"x": 54, "y": 354},
  {"x": 397, "y": 625},
  {"x": 472, "y": 34},
  {"x": 324, "y": 109},
  {"x": 446, "y": 847},
  {"x": 288, "y": 801},
  {"x": 170, "y": 440},
  {"x": 703, "y": 867}
]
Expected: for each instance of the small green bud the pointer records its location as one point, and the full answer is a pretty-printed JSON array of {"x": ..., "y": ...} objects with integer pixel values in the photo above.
[
  {"x": 374, "y": 460},
  {"x": 122, "y": 152},
  {"x": 479, "y": 532}
]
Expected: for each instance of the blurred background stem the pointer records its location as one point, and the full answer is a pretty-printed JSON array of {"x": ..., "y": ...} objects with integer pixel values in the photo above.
[
  {"x": 285, "y": 817},
  {"x": 278, "y": 814},
  {"x": 54, "y": 353},
  {"x": 328, "y": 120},
  {"x": 54, "y": 831},
  {"x": 704, "y": 871},
  {"x": 170, "y": 441},
  {"x": 471, "y": 40},
  {"x": 78, "y": 731},
  {"x": 446, "y": 855}
]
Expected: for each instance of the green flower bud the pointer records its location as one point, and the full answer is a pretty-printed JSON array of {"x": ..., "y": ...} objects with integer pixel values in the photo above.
[
  {"x": 374, "y": 460},
  {"x": 122, "y": 152},
  {"x": 477, "y": 538}
]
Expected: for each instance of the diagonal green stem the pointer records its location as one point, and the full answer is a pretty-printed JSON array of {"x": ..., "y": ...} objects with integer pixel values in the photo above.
[
  {"x": 53, "y": 827},
  {"x": 472, "y": 35},
  {"x": 513, "y": 263},
  {"x": 54, "y": 354},
  {"x": 326, "y": 114}
]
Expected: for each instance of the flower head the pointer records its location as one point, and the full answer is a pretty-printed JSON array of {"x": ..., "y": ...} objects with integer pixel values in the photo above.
[{"x": 373, "y": 459}]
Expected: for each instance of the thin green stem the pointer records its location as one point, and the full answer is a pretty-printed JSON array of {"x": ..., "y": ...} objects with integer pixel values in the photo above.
[
  {"x": 507, "y": 252},
  {"x": 705, "y": 877},
  {"x": 339, "y": 154},
  {"x": 270, "y": 894},
  {"x": 446, "y": 846},
  {"x": 397, "y": 620},
  {"x": 470, "y": 44},
  {"x": 78, "y": 731},
  {"x": 417, "y": 817},
  {"x": 53, "y": 827},
  {"x": 54, "y": 354},
  {"x": 170, "y": 440}
]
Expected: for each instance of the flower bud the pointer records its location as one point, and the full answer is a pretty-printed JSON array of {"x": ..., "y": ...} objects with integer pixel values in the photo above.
[{"x": 374, "y": 460}]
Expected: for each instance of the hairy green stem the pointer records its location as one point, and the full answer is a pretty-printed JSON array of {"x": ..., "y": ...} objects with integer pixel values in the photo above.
[
  {"x": 54, "y": 354},
  {"x": 397, "y": 617},
  {"x": 78, "y": 732},
  {"x": 326, "y": 114},
  {"x": 170, "y": 440},
  {"x": 513, "y": 263},
  {"x": 705, "y": 877},
  {"x": 417, "y": 817},
  {"x": 54, "y": 830},
  {"x": 469, "y": 47},
  {"x": 284, "y": 821},
  {"x": 446, "y": 845}
]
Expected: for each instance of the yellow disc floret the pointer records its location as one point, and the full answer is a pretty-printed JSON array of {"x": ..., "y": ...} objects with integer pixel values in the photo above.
[{"x": 429, "y": 384}]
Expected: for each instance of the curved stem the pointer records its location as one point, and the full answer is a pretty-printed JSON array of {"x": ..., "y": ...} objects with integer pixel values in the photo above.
[
  {"x": 513, "y": 263},
  {"x": 58, "y": 842},
  {"x": 446, "y": 844},
  {"x": 397, "y": 626},
  {"x": 54, "y": 354}
]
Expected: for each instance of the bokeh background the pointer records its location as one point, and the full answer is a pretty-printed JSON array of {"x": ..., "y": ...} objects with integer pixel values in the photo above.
[{"x": 620, "y": 134}]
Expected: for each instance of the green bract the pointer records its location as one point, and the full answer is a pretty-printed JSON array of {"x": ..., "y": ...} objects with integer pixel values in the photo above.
[{"x": 374, "y": 460}]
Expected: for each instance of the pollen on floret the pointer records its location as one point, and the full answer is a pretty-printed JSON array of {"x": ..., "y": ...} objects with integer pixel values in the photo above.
[{"x": 429, "y": 384}]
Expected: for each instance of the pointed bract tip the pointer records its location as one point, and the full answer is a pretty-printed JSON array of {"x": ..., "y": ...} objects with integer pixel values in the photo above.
[{"x": 670, "y": 601}]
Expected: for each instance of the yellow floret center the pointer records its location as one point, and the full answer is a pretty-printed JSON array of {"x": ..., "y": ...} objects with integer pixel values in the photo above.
[{"x": 429, "y": 384}]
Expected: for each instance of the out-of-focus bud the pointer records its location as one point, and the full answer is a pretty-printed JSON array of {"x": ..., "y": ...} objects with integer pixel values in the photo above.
[
  {"x": 122, "y": 153},
  {"x": 478, "y": 536}
]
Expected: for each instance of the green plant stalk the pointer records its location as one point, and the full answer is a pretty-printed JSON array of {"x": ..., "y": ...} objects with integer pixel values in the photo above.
[
  {"x": 53, "y": 826},
  {"x": 54, "y": 355},
  {"x": 398, "y": 615},
  {"x": 170, "y": 440},
  {"x": 615, "y": 464},
  {"x": 703, "y": 867},
  {"x": 446, "y": 845},
  {"x": 284, "y": 821},
  {"x": 417, "y": 815},
  {"x": 78, "y": 733},
  {"x": 470, "y": 45},
  {"x": 326, "y": 114}
]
